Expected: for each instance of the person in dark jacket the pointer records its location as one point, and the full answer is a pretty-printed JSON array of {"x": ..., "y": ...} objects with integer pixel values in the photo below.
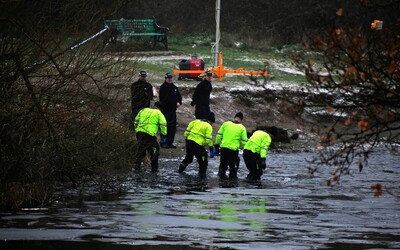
[
  {"x": 141, "y": 94},
  {"x": 201, "y": 97},
  {"x": 170, "y": 99}
]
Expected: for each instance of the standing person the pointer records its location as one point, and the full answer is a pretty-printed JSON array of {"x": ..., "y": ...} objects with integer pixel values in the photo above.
[
  {"x": 141, "y": 94},
  {"x": 255, "y": 152},
  {"x": 170, "y": 99},
  {"x": 230, "y": 136},
  {"x": 147, "y": 122},
  {"x": 198, "y": 135},
  {"x": 201, "y": 97}
]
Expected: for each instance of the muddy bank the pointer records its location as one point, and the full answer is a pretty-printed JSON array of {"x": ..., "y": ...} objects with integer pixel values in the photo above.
[{"x": 259, "y": 106}]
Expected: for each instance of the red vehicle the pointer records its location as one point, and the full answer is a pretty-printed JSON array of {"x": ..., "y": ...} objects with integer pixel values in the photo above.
[{"x": 192, "y": 64}]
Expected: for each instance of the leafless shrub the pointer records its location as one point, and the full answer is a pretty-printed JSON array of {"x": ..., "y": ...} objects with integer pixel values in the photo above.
[{"x": 61, "y": 105}]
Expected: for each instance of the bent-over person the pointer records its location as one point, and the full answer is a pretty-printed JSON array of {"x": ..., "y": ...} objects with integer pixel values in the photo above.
[{"x": 147, "y": 123}]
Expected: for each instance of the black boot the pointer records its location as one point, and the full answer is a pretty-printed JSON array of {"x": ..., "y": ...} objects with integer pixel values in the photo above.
[
  {"x": 222, "y": 175},
  {"x": 182, "y": 168},
  {"x": 233, "y": 176}
]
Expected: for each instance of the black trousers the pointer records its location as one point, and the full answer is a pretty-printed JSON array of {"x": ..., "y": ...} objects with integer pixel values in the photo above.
[
  {"x": 202, "y": 111},
  {"x": 252, "y": 163},
  {"x": 170, "y": 116},
  {"x": 194, "y": 149},
  {"x": 147, "y": 144},
  {"x": 229, "y": 158}
]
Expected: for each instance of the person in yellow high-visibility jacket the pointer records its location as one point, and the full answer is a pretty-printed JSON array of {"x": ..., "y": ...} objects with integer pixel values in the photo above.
[
  {"x": 198, "y": 135},
  {"x": 230, "y": 136},
  {"x": 147, "y": 122},
  {"x": 255, "y": 152}
]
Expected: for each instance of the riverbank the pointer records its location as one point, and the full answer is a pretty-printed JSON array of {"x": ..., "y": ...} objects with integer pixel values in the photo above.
[
  {"x": 230, "y": 97},
  {"x": 261, "y": 103}
]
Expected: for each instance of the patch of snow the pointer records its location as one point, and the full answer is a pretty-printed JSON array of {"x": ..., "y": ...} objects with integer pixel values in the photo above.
[
  {"x": 285, "y": 67},
  {"x": 291, "y": 71},
  {"x": 238, "y": 44},
  {"x": 248, "y": 59},
  {"x": 324, "y": 112}
]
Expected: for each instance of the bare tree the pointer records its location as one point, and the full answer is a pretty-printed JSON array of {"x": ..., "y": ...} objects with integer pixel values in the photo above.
[
  {"x": 62, "y": 101},
  {"x": 357, "y": 71}
]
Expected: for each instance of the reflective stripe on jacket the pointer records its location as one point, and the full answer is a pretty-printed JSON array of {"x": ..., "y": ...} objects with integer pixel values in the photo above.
[
  {"x": 148, "y": 120},
  {"x": 230, "y": 135},
  {"x": 259, "y": 143},
  {"x": 199, "y": 131}
]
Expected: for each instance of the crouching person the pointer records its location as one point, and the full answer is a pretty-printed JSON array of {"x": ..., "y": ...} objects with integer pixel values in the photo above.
[
  {"x": 147, "y": 122},
  {"x": 198, "y": 135},
  {"x": 255, "y": 152}
]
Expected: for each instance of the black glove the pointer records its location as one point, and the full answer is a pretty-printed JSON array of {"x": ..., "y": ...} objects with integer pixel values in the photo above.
[
  {"x": 262, "y": 163},
  {"x": 212, "y": 153}
]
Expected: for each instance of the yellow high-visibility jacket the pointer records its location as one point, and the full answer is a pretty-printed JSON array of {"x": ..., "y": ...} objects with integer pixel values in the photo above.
[
  {"x": 259, "y": 143},
  {"x": 230, "y": 135},
  {"x": 148, "y": 120},
  {"x": 199, "y": 131}
]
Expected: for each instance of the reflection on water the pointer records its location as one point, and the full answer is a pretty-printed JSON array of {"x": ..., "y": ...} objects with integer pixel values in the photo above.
[{"x": 287, "y": 209}]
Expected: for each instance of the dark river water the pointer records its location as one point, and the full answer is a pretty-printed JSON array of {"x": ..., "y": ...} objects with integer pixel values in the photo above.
[{"x": 287, "y": 209}]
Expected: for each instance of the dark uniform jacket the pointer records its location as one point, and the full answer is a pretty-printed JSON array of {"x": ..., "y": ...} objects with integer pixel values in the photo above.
[
  {"x": 142, "y": 94},
  {"x": 169, "y": 96},
  {"x": 201, "y": 95}
]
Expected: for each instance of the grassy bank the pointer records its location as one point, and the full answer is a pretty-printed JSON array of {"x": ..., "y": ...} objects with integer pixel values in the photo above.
[{"x": 236, "y": 55}]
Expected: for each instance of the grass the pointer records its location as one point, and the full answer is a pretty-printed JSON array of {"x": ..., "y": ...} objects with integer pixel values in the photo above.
[
  {"x": 233, "y": 57},
  {"x": 160, "y": 69}
]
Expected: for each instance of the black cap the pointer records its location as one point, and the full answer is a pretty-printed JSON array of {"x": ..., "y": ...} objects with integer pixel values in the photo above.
[
  {"x": 143, "y": 73},
  {"x": 240, "y": 115},
  {"x": 272, "y": 131},
  {"x": 157, "y": 104},
  {"x": 208, "y": 73},
  {"x": 211, "y": 117},
  {"x": 168, "y": 75}
]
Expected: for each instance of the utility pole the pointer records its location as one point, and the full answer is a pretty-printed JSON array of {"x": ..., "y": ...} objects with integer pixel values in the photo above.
[
  {"x": 219, "y": 70},
  {"x": 217, "y": 33}
]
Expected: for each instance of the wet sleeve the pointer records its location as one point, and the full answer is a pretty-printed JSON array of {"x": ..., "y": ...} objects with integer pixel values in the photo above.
[
  {"x": 220, "y": 133},
  {"x": 264, "y": 147},
  {"x": 137, "y": 119},
  {"x": 195, "y": 96},
  {"x": 133, "y": 90},
  {"x": 244, "y": 138},
  {"x": 163, "y": 123},
  {"x": 178, "y": 96},
  {"x": 209, "y": 134},
  {"x": 188, "y": 129},
  {"x": 162, "y": 94},
  {"x": 150, "y": 92}
]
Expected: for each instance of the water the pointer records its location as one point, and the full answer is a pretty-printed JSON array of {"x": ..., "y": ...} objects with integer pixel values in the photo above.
[{"x": 287, "y": 209}]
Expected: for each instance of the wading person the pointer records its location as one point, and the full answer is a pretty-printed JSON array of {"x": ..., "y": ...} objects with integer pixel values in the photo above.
[
  {"x": 198, "y": 135},
  {"x": 201, "y": 97},
  {"x": 147, "y": 123},
  {"x": 170, "y": 99},
  {"x": 231, "y": 135},
  {"x": 141, "y": 94},
  {"x": 255, "y": 152}
]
